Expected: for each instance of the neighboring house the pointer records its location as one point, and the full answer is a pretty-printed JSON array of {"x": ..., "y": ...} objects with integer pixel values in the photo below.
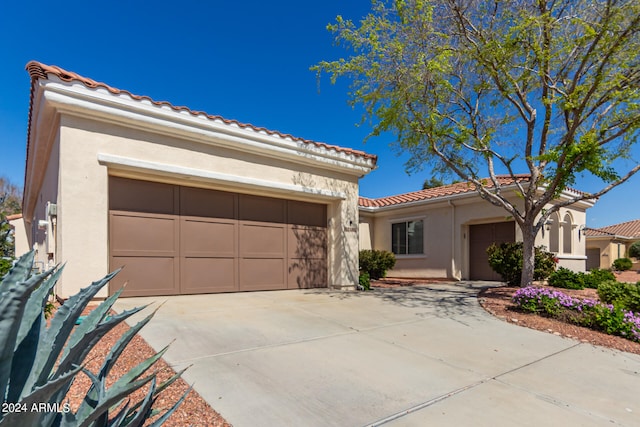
[
  {"x": 187, "y": 202},
  {"x": 444, "y": 232},
  {"x": 19, "y": 234},
  {"x": 607, "y": 244}
]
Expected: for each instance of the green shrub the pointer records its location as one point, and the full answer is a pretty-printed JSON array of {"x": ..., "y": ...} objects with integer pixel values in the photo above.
[
  {"x": 622, "y": 264},
  {"x": 506, "y": 260},
  {"x": 625, "y": 295},
  {"x": 596, "y": 276},
  {"x": 5, "y": 266},
  {"x": 567, "y": 279},
  {"x": 376, "y": 263},
  {"x": 611, "y": 319},
  {"x": 364, "y": 281},
  {"x": 40, "y": 361},
  {"x": 634, "y": 250}
]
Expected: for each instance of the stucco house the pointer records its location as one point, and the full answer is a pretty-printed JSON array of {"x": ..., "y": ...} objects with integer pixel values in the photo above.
[
  {"x": 444, "y": 232},
  {"x": 607, "y": 244},
  {"x": 194, "y": 203},
  {"x": 188, "y": 202}
]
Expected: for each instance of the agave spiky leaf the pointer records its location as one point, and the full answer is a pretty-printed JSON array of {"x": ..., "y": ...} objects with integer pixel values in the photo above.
[
  {"x": 46, "y": 360},
  {"x": 19, "y": 272},
  {"x": 120, "y": 345},
  {"x": 39, "y": 395},
  {"x": 124, "y": 386},
  {"x": 143, "y": 413},
  {"x": 62, "y": 323},
  {"x": 14, "y": 299},
  {"x": 29, "y": 336},
  {"x": 90, "y": 338},
  {"x": 160, "y": 388},
  {"x": 171, "y": 410},
  {"x": 91, "y": 321}
]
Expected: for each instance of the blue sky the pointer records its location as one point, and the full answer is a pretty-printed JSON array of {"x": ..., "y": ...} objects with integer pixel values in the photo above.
[{"x": 247, "y": 61}]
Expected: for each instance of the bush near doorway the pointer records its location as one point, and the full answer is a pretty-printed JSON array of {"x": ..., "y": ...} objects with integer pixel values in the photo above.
[
  {"x": 506, "y": 260},
  {"x": 376, "y": 263}
]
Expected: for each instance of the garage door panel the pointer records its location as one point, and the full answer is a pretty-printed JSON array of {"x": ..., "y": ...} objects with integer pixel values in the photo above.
[
  {"x": 262, "y": 274},
  {"x": 306, "y": 242},
  {"x": 307, "y": 273},
  {"x": 136, "y": 234},
  {"x": 141, "y": 196},
  {"x": 145, "y": 276},
  {"x": 210, "y": 238},
  {"x": 207, "y": 203},
  {"x": 208, "y": 275},
  {"x": 262, "y": 240},
  {"x": 306, "y": 213},
  {"x": 263, "y": 209}
]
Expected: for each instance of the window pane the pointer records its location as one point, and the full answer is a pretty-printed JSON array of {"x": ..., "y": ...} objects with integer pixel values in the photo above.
[
  {"x": 399, "y": 238},
  {"x": 415, "y": 237}
]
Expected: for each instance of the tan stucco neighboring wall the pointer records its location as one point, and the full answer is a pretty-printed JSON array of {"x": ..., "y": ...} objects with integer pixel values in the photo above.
[
  {"x": 82, "y": 191},
  {"x": 610, "y": 250},
  {"x": 365, "y": 231},
  {"x": 21, "y": 241}
]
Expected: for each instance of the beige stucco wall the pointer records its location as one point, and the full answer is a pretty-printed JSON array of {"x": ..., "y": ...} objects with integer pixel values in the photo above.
[
  {"x": 43, "y": 239},
  {"x": 446, "y": 231},
  {"x": 21, "y": 241},
  {"x": 82, "y": 221},
  {"x": 610, "y": 250}
]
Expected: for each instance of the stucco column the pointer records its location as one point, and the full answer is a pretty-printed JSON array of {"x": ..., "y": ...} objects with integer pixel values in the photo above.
[{"x": 82, "y": 214}]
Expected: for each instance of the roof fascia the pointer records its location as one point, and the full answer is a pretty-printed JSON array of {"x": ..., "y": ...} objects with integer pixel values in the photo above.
[{"x": 99, "y": 104}]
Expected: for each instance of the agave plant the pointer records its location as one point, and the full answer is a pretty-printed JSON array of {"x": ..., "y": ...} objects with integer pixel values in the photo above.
[{"x": 38, "y": 363}]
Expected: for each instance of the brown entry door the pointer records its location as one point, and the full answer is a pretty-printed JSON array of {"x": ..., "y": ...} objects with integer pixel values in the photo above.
[{"x": 481, "y": 236}]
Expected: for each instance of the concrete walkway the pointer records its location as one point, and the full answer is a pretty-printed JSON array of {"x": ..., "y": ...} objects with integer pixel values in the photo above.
[{"x": 418, "y": 356}]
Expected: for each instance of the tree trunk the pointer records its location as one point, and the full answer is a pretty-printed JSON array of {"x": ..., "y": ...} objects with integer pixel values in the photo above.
[{"x": 528, "y": 255}]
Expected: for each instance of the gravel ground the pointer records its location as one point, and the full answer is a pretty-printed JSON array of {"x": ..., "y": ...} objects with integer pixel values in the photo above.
[{"x": 194, "y": 411}]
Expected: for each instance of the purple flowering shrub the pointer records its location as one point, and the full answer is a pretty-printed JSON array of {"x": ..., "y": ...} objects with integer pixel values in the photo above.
[{"x": 613, "y": 320}]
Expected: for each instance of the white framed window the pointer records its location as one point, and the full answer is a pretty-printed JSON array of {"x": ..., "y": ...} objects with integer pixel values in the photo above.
[{"x": 407, "y": 237}]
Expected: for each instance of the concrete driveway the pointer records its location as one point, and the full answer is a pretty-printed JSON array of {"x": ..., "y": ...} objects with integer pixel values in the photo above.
[{"x": 427, "y": 355}]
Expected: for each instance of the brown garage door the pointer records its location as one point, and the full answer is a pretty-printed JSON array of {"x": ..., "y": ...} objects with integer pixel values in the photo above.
[
  {"x": 481, "y": 236},
  {"x": 183, "y": 240}
]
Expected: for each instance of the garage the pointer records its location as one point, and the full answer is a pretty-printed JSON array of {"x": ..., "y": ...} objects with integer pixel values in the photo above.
[
  {"x": 481, "y": 236},
  {"x": 174, "y": 239}
]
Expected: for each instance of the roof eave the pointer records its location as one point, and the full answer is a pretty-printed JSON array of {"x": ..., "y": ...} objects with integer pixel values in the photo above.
[{"x": 76, "y": 99}]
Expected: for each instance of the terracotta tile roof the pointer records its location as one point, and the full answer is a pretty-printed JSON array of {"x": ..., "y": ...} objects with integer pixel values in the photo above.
[
  {"x": 38, "y": 70},
  {"x": 629, "y": 229},
  {"x": 434, "y": 193},
  {"x": 14, "y": 216}
]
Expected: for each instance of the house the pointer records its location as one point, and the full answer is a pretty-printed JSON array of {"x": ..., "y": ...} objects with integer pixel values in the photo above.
[
  {"x": 444, "y": 232},
  {"x": 607, "y": 244},
  {"x": 187, "y": 202}
]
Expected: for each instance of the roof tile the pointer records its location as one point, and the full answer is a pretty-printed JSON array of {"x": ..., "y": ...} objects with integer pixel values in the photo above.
[
  {"x": 38, "y": 70},
  {"x": 629, "y": 229},
  {"x": 436, "y": 192}
]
